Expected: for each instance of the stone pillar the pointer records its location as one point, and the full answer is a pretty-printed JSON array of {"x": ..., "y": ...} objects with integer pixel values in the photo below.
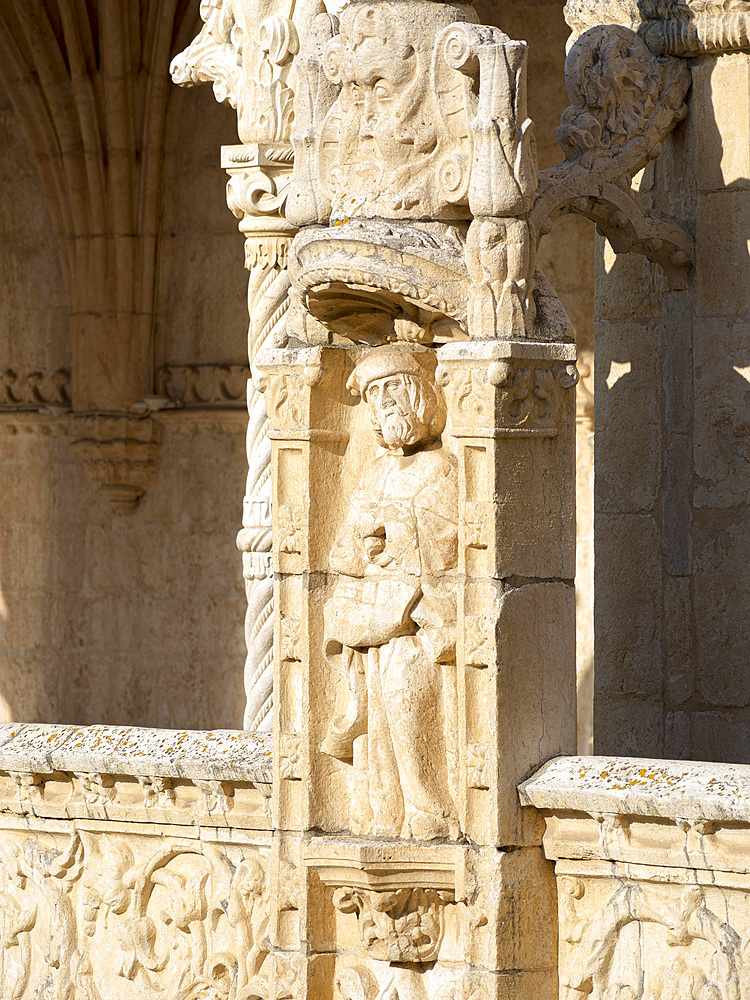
[
  {"x": 256, "y": 191},
  {"x": 422, "y": 420},
  {"x": 422, "y": 427},
  {"x": 94, "y": 112},
  {"x": 672, "y": 477}
]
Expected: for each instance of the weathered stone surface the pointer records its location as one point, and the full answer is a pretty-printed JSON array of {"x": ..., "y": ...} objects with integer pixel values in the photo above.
[
  {"x": 642, "y": 787},
  {"x": 215, "y": 754}
]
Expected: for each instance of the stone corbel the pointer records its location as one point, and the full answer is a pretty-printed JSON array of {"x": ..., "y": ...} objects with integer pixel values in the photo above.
[
  {"x": 624, "y": 102},
  {"x": 402, "y": 926},
  {"x": 399, "y": 898},
  {"x": 119, "y": 453}
]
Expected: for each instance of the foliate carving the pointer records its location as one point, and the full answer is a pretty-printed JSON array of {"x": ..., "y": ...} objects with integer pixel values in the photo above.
[
  {"x": 212, "y": 57},
  {"x": 402, "y": 926},
  {"x": 477, "y": 765},
  {"x": 82, "y": 917},
  {"x": 476, "y": 525},
  {"x": 531, "y": 395},
  {"x": 390, "y": 622},
  {"x": 283, "y": 399},
  {"x": 478, "y": 647},
  {"x": 119, "y": 453},
  {"x": 97, "y": 789},
  {"x": 256, "y": 192},
  {"x": 624, "y": 102},
  {"x": 682, "y": 948},
  {"x": 158, "y": 793},
  {"x": 290, "y": 528},
  {"x": 29, "y": 788},
  {"x": 204, "y": 385},
  {"x": 290, "y": 639},
  {"x": 508, "y": 397},
  {"x": 248, "y": 65},
  {"x": 290, "y": 757},
  {"x": 35, "y": 390},
  {"x": 218, "y": 796}
]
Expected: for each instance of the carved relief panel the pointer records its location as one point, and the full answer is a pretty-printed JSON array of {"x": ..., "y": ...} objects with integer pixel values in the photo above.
[
  {"x": 112, "y": 916},
  {"x": 653, "y": 936}
]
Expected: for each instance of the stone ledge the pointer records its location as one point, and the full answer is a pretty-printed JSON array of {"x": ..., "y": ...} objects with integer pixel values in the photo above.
[
  {"x": 641, "y": 787},
  {"x": 218, "y": 754}
]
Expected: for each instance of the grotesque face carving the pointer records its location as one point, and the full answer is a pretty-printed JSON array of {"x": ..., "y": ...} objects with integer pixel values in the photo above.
[
  {"x": 405, "y": 411},
  {"x": 387, "y": 134}
]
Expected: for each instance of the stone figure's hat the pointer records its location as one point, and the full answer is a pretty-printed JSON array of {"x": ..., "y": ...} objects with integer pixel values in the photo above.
[{"x": 392, "y": 359}]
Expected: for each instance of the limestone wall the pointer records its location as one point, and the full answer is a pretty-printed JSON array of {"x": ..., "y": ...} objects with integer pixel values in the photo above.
[
  {"x": 133, "y": 618},
  {"x": 672, "y": 480}
]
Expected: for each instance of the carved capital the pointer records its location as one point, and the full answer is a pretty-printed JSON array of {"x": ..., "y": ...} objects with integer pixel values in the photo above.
[
  {"x": 512, "y": 389},
  {"x": 443, "y": 129},
  {"x": 248, "y": 60}
]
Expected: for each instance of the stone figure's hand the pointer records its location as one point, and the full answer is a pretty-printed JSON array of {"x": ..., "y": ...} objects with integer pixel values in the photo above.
[{"x": 375, "y": 548}]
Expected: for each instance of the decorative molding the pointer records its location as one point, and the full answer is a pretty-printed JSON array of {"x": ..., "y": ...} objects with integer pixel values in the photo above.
[
  {"x": 204, "y": 386},
  {"x": 684, "y": 28},
  {"x": 22, "y": 390},
  {"x": 691, "y": 27}
]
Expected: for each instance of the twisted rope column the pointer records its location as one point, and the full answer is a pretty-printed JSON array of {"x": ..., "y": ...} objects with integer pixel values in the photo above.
[
  {"x": 259, "y": 175},
  {"x": 268, "y": 302}
]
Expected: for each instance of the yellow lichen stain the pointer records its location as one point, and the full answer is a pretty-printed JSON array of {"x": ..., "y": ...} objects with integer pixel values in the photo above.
[{"x": 341, "y": 222}]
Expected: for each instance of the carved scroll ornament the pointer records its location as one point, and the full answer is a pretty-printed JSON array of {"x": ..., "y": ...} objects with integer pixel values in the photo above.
[
  {"x": 624, "y": 102},
  {"x": 89, "y": 917}
]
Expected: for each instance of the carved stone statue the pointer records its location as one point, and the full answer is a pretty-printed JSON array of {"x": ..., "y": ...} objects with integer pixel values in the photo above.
[{"x": 392, "y": 616}]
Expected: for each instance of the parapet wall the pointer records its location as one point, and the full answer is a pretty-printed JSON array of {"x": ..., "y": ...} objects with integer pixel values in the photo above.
[
  {"x": 133, "y": 863},
  {"x": 653, "y": 872}
]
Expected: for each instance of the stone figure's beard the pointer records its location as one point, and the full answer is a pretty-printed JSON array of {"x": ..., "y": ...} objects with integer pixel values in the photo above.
[{"x": 400, "y": 429}]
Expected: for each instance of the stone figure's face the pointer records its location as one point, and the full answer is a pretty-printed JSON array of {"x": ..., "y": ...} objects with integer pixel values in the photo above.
[
  {"x": 401, "y": 410},
  {"x": 384, "y": 141}
]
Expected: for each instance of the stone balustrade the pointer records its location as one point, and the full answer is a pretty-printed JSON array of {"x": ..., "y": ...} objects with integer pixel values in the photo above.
[
  {"x": 653, "y": 872},
  {"x": 133, "y": 862}
]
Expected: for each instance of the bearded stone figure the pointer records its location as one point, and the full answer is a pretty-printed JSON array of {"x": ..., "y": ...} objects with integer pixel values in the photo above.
[{"x": 391, "y": 621}]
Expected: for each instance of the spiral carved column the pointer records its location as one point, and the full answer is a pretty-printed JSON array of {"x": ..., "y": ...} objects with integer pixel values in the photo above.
[{"x": 256, "y": 194}]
